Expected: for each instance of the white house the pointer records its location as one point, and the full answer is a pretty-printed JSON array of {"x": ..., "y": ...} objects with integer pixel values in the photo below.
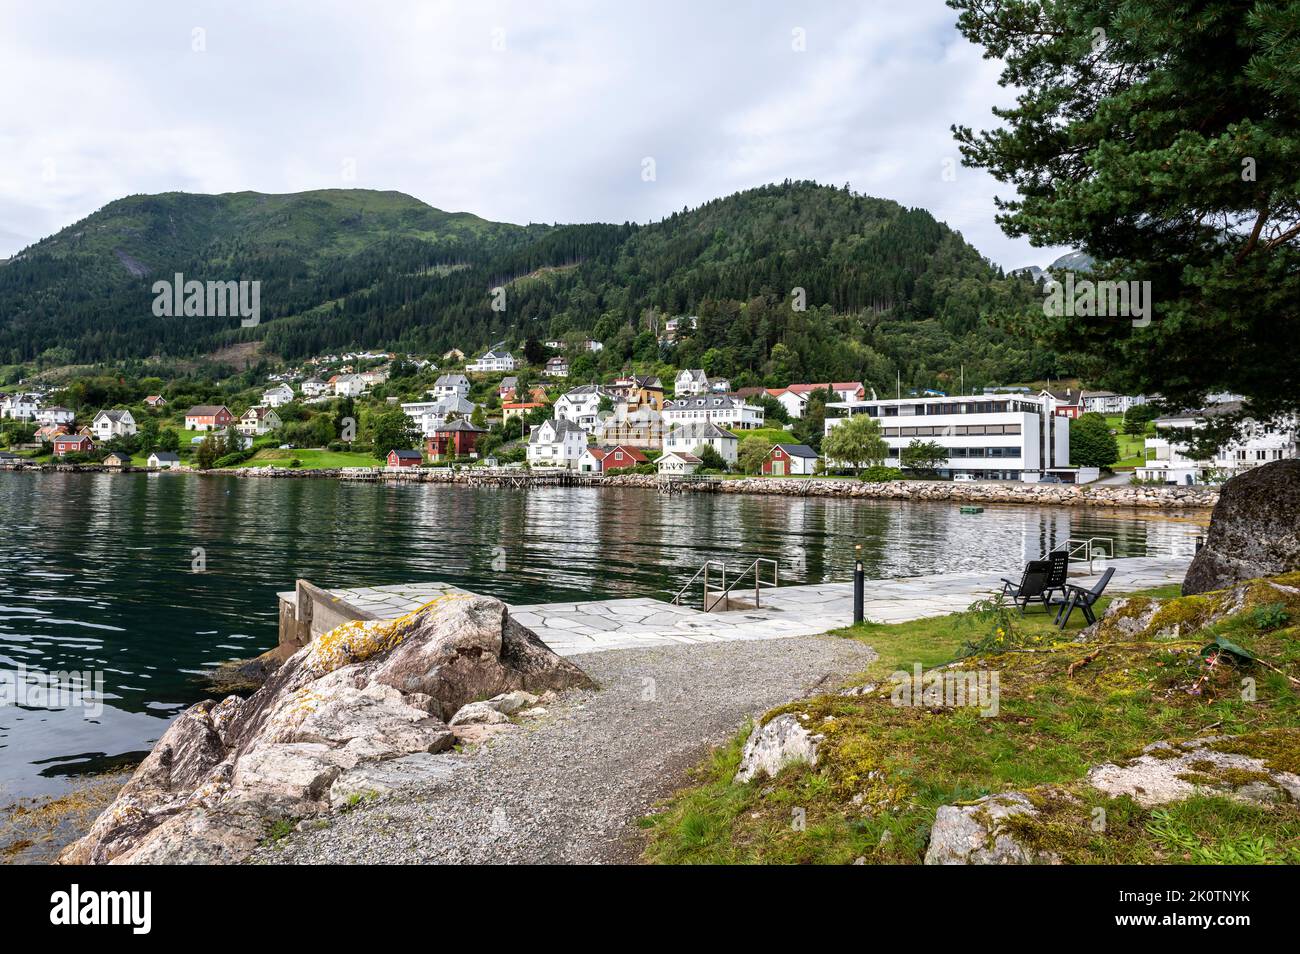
[
  {"x": 795, "y": 398},
  {"x": 1108, "y": 402},
  {"x": 1167, "y": 455},
  {"x": 556, "y": 443},
  {"x": 53, "y": 416},
  {"x": 20, "y": 406},
  {"x": 110, "y": 424},
  {"x": 348, "y": 385},
  {"x": 258, "y": 421},
  {"x": 690, "y": 382},
  {"x": 164, "y": 460},
  {"x": 689, "y": 438},
  {"x": 314, "y": 387},
  {"x": 993, "y": 437},
  {"x": 678, "y": 463},
  {"x": 449, "y": 386},
  {"x": 373, "y": 377},
  {"x": 428, "y": 416},
  {"x": 556, "y": 367},
  {"x": 581, "y": 405},
  {"x": 493, "y": 361},
  {"x": 278, "y": 395},
  {"x": 728, "y": 412}
]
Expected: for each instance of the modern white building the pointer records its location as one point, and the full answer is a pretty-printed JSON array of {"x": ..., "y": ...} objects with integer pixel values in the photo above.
[
  {"x": 449, "y": 386},
  {"x": 493, "y": 361},
  {"x": 556, "y": 443},
  {"x": 689, "y": 438},
  {"x": 581, "y": 405},
  {"x": 728, "y": 412},
  {"x": 110, "y": 424},
  {"x": 990, "y": 437},
  {"x": 1167, "y": 457},
  {"x": 279, "y": 395}
]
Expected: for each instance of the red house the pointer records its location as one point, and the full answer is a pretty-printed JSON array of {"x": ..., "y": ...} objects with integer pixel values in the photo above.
[
  {"x": 208, "y": 417},
  {"x": 622, "y": 457},
  {"x": 72, "y": 444},
  {"x": 786, "y": 459},
  {"x": 405, "y": 458},
  {"x": 457, "y": 438}
]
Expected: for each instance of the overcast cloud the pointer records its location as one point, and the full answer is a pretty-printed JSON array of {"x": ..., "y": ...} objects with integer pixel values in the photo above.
[{"x": 103, "y": 100}]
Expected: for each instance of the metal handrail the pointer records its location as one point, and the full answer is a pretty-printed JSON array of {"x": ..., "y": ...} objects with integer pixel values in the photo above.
[
  {"x": 1086, "y": 548},
  {"x": 759, "y": 582},
  {"x": 704, "y": 570}
]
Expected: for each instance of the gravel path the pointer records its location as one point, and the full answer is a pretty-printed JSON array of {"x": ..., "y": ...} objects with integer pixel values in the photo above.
[{"x": 569, "y": 787}]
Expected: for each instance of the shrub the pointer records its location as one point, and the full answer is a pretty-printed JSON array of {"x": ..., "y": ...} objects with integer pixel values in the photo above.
[{"x": 880, "y": 473}]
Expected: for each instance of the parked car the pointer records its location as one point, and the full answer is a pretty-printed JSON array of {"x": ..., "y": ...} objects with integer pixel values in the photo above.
[
  {"x": 963, "y": 478},
  {"x": 1050, "y": 479}
]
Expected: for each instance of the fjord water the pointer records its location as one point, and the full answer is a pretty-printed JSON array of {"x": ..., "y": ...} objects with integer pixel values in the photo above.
[{"x": 97, "y": 570}]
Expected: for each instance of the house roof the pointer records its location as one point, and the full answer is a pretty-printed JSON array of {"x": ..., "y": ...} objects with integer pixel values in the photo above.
[
  {"x": 154, "y": 398},
  {"x": 72, "y": 437},
  {"x": 682, "y": 456},
  {"x": 407, "y": 454},
  {"x": 460, "y": 424},
  {"x": 56, "y": 407},
  {"x": 121, "y": 455},
  {"x": 632, "y": 452},
  {"x": 796, "y": 450},
  {"x": 561, "y": 427},
  {"x": 261, "y": 411},
  {"x": 451, "y": 380},
  {"x": 166, "y": 456},
  {"x": 699, "y": 431},
  {"x": 113, "y": 415},
  {"x": 704, "y": 401},
  {"x": 206, "y": 410}
]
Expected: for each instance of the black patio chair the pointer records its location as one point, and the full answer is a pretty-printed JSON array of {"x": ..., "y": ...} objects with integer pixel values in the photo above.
[
  {"x": 1060, "y": 560},
  {"x": 1032, "y": 587},
  {"x": 1083, "y": 598}
]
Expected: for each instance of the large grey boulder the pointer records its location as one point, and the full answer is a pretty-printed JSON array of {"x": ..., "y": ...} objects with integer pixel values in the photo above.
[
  {"x": 1254, "y": 531},
  {"x": 1170, "y": 772},
  {"x": 348, "y": 714}
]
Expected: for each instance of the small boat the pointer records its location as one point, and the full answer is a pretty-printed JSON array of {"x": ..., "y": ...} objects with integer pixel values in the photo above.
[{"x": 972, "y": 509}]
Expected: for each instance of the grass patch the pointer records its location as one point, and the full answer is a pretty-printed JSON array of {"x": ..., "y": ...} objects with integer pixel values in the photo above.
[
  {"x": 311, "y": 459},
  {"x": 1065, "y": 705}
]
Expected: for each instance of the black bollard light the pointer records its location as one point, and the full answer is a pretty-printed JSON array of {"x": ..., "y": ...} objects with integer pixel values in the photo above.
[{"x": 858, "y": 585}]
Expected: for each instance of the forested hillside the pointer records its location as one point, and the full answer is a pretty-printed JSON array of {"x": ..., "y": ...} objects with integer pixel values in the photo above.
[{"x": 886, "y": 288}]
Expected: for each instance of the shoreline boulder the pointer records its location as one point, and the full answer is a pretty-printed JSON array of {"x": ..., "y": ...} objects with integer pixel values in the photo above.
[
  {"x": 319, "y": 731},
  {"x": 1254, "y": 530}
]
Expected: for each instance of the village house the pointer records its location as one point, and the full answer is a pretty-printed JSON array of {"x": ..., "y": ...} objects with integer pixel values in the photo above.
[
  {"x": 117, "y": 459},
  {"x": 690, "y": 437},
  {"x": 493, "y": 361},
  {"x": 690, "y": 382},
  {"x": 164, "y": 460},
  {"x": 20, "y": 406},
  {"x": 795, "y": 397},
  {"x": 279, "y": 395},
  {"x": 428, "y": 416},
  {"x": 729, "y": 412},
  {"x": 47, "y": 433},
  {"x": 511, "y": 409},
  {"x": 1067, "y": 403},
  {"x": 674, "y": 327},
  {"x": 54, "y": 415},
  {"x": 372, "y": 377},
  {"x": 257, "y": 421},
  {"x": 506, "y": 389},
  {"x": 314, "y": 387},
  {"x": 405, "y": 458},
  {"x": 1168, "y": 457},
  {"x": 640, "y": 389},
  {"x": 347, "y": 385},
  {"x": 155, "y": 401},
  {"x": 605, "y": 460},
  {"x": 1108, "y": 402},
  {"x": 457, "y": 438},
  {"x": 450, "y": 386},
  {"x": 678, "y": 464},
  {"x": 556, "y": 367},
  {"x": 786, "y": 460},
  {"x": 581, "y": 405},
  {"x": 113, "y": 423},
  {"x": 72, "y": 444},
  {"x": 556, "y": 443},
  {"x": 208, "y": 417},
  {"x": 637, "y": 426}
]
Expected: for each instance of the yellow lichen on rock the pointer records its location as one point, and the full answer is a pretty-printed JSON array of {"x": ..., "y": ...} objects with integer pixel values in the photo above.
[{"x": 358, "y": 640}]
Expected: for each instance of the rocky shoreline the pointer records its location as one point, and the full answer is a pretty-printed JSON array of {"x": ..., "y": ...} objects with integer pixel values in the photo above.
[{"x": 1142, "y": 497}]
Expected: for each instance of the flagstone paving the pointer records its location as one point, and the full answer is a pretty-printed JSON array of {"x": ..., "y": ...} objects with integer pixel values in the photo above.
[{"x": 572, "y": 628}]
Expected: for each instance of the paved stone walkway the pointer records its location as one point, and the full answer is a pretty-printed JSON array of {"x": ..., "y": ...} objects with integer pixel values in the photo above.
[{"x": 600, "y": 625}]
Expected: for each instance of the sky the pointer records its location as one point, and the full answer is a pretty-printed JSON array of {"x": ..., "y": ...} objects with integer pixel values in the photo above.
[{"x": 544, "y": 111}]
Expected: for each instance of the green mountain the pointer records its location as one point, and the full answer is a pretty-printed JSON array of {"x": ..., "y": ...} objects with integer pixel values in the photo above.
[{"x": 883, "y": 287}]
